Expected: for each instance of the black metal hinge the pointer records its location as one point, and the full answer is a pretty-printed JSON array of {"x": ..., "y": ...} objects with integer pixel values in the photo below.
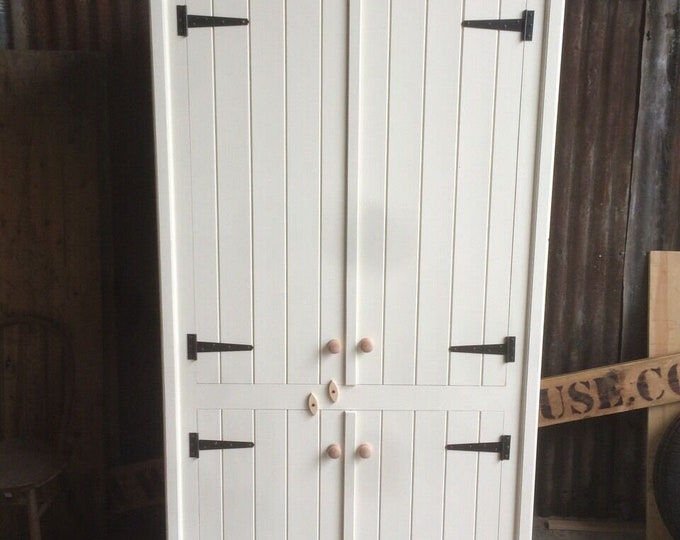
[
  {"x": 194, "y": 347},
  {"x": 507, "y": 349},
  {"x": 196, "y": 445},
  {"x": 501, "y": 447},
  {"x": 525, "y": 25},
  {"x": 185, "y": 21}
]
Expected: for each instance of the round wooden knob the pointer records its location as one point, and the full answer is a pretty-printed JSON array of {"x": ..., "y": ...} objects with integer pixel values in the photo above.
[
  {"x": 366, "y": 345},
  {"x": 334, "y": 451},
  {"x": 365, "y": 451},
  {"x": 334, "y": 346}
]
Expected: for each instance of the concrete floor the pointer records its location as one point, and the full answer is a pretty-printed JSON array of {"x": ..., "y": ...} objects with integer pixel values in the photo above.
[{"x": 541, "y": 532}]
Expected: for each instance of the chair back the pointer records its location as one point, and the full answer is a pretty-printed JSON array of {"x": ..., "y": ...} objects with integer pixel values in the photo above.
[{"x": 36, "y": 380}]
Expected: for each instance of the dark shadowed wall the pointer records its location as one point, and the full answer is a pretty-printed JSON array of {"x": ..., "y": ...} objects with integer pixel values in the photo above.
[{"x": 120, "y": 30}]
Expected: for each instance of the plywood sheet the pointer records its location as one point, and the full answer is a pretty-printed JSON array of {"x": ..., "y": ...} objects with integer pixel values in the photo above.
[{"x": 664, "y": 338}]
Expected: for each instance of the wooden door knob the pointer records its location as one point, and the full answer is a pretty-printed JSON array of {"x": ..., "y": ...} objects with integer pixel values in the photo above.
[
  {"x": 334, "y": 346},
  {"x": 365, "y": 450},
  {"x": 366, "y": 345},
  {"x": 334, "y": 451}
]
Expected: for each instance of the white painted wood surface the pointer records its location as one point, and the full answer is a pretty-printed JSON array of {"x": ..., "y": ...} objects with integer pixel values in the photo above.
[
  {"x": 334, "y": 41},
  {"x": 268, "y": 143},
  {"x": 438, "y": 191},
  {"x": 345, "y": 169},
  {"x": 234, "y": 234},
  {"x": 404, "y": 184},
  {"x": 331, "y": 474},
  {"x": 238, "y": 474},
  {"x": 303, "y": 188},
  {"x": 354, "y": 91},
  {"x": 349, "y": 508},
  {"x": 372, "y": 190},
  {"x": 203, "y": 192}
]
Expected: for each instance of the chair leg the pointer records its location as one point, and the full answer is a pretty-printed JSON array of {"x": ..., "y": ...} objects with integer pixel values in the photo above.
[{"x": 33, "y": 515}]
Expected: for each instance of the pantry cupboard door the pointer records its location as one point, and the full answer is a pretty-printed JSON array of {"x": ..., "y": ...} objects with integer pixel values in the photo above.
[{"x": 349, "y": 192}]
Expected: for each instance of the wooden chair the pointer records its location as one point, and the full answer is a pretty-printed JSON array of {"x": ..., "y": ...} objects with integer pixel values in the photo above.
[{"x": 36, "y": 374}]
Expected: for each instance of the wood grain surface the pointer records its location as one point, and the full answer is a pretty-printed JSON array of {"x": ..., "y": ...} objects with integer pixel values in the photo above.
[{"x": 664, "y": 338}]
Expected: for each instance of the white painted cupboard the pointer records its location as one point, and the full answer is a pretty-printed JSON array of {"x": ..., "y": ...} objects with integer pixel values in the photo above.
[{"x": 349, "y": 191}]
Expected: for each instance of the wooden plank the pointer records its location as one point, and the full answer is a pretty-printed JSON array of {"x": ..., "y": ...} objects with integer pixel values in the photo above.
[
  {"x": 477, "y": 99},
  {"x": 333, "y": 179},
  {"x": 304, "y": 458},
  {"x": 428, "y": 474},
  {"x": 204, "y": 193},
  {"x": 664, "y": 338},
  {"x": 238, "y": 486},
  {"x": 268, "y": 89},
  {"x": 375, "y": 26},
  {"x": 609, "y": 389},
  {"x": 460, "y": 498},
  {"x": 439, "y": 183},
  {"x": 502, "y": 194},
  {"x": 402, "y": 241},
  {"x": 396, "y": 475},
  {"x": 331, "y": 476},
  {"x": 489, "y": 504},
  {"x": 270, "y": 473},
  {"x": 303, "y": 185},
  {"x": 232, "y": 91},
  {"x": 352, "y": 194},
  {"x": 594, "y": 526},
  {"x": 349, "y": 491},
  {"x": 210, "y": 502},
  {"x": 367, "y": 483}
]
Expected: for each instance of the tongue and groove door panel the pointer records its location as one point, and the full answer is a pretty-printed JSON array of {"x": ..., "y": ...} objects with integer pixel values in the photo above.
[
  {"x": 348, "y": 169},
  {"x": 437, "y": 178},
  {"x": 438, "y": 190},
  {"x": 409, "y": 488},
  {"x": 268, "y": 261}
]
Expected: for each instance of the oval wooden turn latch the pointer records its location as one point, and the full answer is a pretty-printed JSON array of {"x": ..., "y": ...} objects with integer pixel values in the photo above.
[
  {"x": 312, "y": 404},
  {"x": 333, "y": 391}
]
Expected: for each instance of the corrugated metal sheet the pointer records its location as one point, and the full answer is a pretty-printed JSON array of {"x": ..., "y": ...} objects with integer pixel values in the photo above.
[
  {"x": 593, "y": 468},
  {"x": 655, "y": 189}
]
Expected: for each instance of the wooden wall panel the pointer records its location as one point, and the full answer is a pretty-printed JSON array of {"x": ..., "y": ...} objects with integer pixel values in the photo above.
[{"x": 52, "y": 169}]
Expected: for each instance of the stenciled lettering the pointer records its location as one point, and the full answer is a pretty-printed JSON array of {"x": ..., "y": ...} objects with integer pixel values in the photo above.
[
  {"x": 673, "y": 379},
  {"x": 581, "y": 397},
  {"x": 606, "y": 390},
  {"x": 546, "y": 406},
  {"x": 643, "y": 385}
]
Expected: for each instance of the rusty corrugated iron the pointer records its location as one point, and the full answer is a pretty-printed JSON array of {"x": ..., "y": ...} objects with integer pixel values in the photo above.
[
  {"x": 593, "y": 468},
  {"x": 655, "y": 187}
]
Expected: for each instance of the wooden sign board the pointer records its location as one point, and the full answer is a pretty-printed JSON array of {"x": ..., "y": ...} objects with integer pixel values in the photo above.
[{"x": 609, "y": 389}]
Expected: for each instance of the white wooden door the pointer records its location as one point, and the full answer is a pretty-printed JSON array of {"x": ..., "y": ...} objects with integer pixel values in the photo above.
[{"x": 374, "y": 175}]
